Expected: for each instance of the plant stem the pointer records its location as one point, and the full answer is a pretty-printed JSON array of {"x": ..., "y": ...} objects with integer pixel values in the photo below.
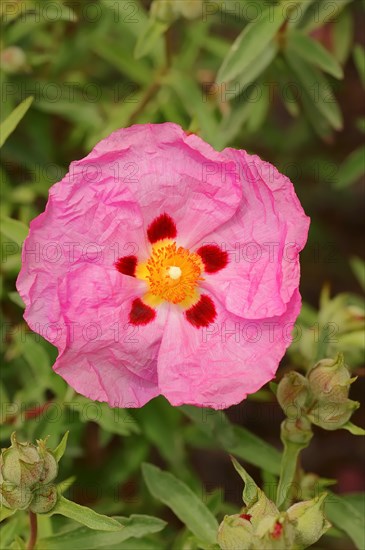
[
  {"x": 33, "y": 530},
  {"x": 288, "y": 470}
]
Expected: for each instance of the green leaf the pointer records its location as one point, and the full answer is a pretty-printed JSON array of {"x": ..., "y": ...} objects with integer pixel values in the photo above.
[
  {"x": 316, "y": 89},
  {"x": 359, "y": 59},
  {"x": 11, "y": 122},
  {"x": 352, "y": 428},
  {"x": 182, "y": 501},
  {"x": 358, "y": 268},
  {"x": 147, "y": 39},
  {"x": 169, "y": 440},
  {"x": 321, "y": 12},
  {"x": 347, "y": 518},
  {"x": 13, "y": 229},
  {"x": 113, "y": 420},
  {"x": 5, "y": 512},
  {"x": 135, "y": 526},
  {"x": 236, "y": 440},
  {"x": 16, "y": 299},
  {"x": 343, "y": 36},
  {"x": 9, "y": 530},
  {"x": 312, "y": 51},
  {"x": 253, "y": 71},
  {"x": 85, "y": 515},
  {"x": 251, "y": 491},
  {"x": 250, "y": 44},
  {"x": 59, "y": 451},
  {"x": 351, "y": 169}
]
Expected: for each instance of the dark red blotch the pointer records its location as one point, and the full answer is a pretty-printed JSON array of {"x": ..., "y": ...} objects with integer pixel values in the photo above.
[
  {"x": 214, "y": 258},
  {"x": 162, "y": 227},
  {"x": 127, "y": 265},
  {"x": 140, "y": 313},
  {"x": 203, "y": 313},
  {"x": 246, "y": 516}
]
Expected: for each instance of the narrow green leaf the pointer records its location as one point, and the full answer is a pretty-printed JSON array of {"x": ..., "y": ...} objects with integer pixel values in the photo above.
[
  {"x": 321, "y": 12},
  {"x": 13, "y": 229},
  {"x": 359, "y": 59},
  {"x": 316, "y": 89},
  {"x": 59, "y": 451},
  {"x": 358, "y": 268},
  {"x": 136, "y": 526},
  {"x": 16, "y": 299},
  {"x": 147, "y": 39},
  {"x": 9, "y": 530},
  {"x": 11, "y": 122},
  {"x": 347, "y": 518},
  {"x": 250, "y": 44},
  {"x": 353, "y": 429},
  {"x": 236, "y": 440},
  {"x": 113, "y": 420},
  {"x": 312, "y": 51},
  {"x": 251, "y": 491},
  {"x": 85, "y": 515},
  {"x": 351, "y": 169},
  {"x": 5, "y": 512},
  {"x": 183, "y": 502},
  {"x": 253, "y": 71},
  {"x": 343, "y": 36}
]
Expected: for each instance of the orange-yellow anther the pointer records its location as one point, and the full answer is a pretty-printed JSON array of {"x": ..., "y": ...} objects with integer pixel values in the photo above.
[{"x": 172, "y": 272}]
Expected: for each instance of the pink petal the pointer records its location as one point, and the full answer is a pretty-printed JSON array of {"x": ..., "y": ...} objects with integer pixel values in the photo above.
[
  {"x": 106, "y": 357},
  {"x": 170, "y": 172},
  {"x": 263, "y": 240},
  {"x": 219, "y": 365}
]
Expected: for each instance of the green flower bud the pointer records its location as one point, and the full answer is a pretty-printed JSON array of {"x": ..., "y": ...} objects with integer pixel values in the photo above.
[
  {"x": 21, "y": 464},
  {"x": 190, "y": 9},
  {"x": 236, "y": 532},
  {"x": 333, "y": 413},
  {"x": 275, "y": 533},
  {"x": 13, "y": 60},
  {"x": 164, "y": 11},
  {"x": 293, "y": 394},
  {"x": 15, "y": 497},
  {"x": 44, "y": 499},
  {"x": 299, "y": 431},
  {"x": 50, "y": 464},
  {"x": 309, "y": 521},
  {"x": 327, "y": 374}
]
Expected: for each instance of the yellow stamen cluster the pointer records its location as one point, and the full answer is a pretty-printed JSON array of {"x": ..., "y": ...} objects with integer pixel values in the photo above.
[{"x": 172, "y": 272}]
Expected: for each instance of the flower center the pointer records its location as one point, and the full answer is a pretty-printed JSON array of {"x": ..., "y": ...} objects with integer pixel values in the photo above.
[{"x": 173, "y": 272}]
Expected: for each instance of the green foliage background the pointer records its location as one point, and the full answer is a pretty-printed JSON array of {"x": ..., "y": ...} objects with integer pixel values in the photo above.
[{"x": 289, "y": 90}]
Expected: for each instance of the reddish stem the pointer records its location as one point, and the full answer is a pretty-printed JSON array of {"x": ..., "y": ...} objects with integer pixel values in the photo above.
[{"x": 33, "y": 530}]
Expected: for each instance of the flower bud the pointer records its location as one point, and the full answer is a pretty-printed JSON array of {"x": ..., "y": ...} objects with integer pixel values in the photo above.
[
  {"x": 190, "y": 9},
  {"x": 327, "y": 374},
  {"x": 164, "y": 11},
  {"x": 293, "y": 394},
  {"x": 44, "y": 499},
  {"x": 333, "y": 412},
  {"x": 299, "y": 432},
  {"x": 236, "y": 532},
  {"x": 21, "y": 464},
  {"x": 309, "y": 521},
  {"x": 15, "y": 497},
  {"x": 275, "y": 533},
  {"x": 13, "y": 60},
  {"x": 50, "y": 464}
]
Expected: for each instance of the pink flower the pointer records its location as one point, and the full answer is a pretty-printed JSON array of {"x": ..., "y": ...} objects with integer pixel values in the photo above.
[{"x": 161, "y": 266}]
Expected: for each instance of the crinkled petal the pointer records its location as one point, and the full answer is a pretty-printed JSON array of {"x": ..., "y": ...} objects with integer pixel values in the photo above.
[
  {"x": 170, "y": 172},
  {"x": 219, "y": 365},
  {"x": 263, "y": 240},
  {"x": 106, "y": 358}
]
